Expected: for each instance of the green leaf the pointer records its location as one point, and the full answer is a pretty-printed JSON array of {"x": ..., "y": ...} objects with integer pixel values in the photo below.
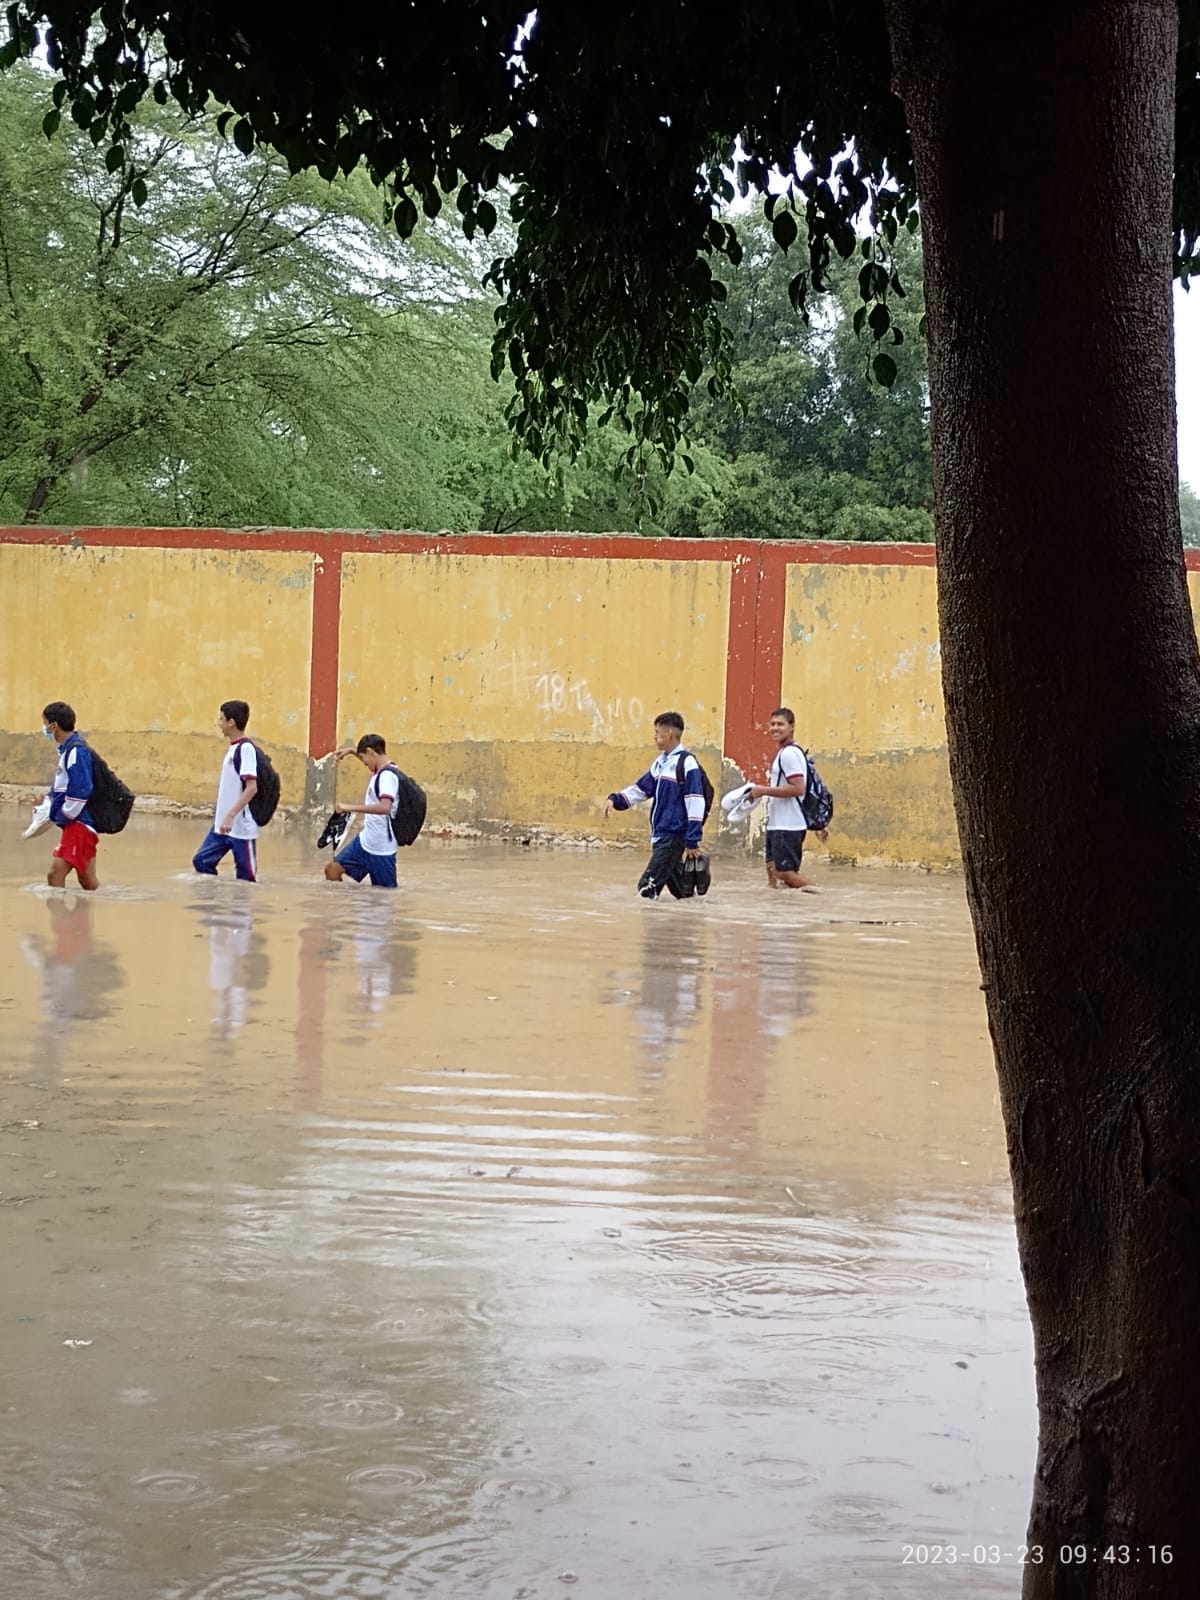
[
  {"x": 880, "y": 319},
  {"x": 139, "y": 191},
  {"x": 243, "y": 136},
  {"x": 872, "y": 281},
  {"x": 485, "y": 215},
  {"x": 404, "y": 217},
  {"x": 785, "y": 230},
  {"x": 161, "y": 92},
  {"x": 223, "y": 122},
  {"x": 884, "y": 370},
  {"x": 50, "y": 123},
  {"x": 114, "y": 158}
]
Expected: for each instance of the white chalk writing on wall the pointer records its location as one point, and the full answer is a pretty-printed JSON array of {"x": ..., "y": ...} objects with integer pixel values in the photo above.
[{"x": 553, "y": 691}]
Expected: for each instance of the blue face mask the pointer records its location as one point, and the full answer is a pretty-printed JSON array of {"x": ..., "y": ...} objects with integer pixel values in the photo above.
[{"x": 46, "y": 734}]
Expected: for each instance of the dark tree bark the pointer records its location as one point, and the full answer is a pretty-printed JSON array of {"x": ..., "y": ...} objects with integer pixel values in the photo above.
[{"x": 1043, "y": 136}]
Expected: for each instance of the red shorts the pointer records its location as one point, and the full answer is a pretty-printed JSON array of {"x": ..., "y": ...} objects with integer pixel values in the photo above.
[{"x": 77, "y": 847}]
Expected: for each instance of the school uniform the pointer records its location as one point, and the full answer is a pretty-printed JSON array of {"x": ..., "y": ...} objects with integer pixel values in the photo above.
[
  {"x": 786, "y": 822},
  {"x": 240, "y": 764},
  {"x": 372, "y": 852},
  {"x": 69, "y": 794},
  {"x": 676, "y": 818}
]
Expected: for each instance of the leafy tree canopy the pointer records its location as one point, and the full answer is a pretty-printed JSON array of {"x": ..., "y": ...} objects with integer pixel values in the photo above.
[
  {"x": 248, "y": 346},
  {"x": 244, "y": 346},
  {"x": 618, "y": 129}
]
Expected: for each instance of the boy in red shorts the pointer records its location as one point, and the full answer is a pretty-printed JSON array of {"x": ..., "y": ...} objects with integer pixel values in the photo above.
[{"x": 69, "y": 794}]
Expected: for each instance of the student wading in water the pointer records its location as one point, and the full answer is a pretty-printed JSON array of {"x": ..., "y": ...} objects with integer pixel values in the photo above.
[
  {"x": 676, "y": 810},
  {"x": 373, "y": 853},
  {"x": 784, "y": 790}
]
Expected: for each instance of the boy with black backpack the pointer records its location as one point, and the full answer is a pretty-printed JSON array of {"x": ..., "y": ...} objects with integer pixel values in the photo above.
[
  {"x": 791, "y": 792},
  {"x": 70, "y": 791},
  {"x": 235, "y": 826},
  {"x": 372, "y": 852},
  {"x": 680, "y": 796}
]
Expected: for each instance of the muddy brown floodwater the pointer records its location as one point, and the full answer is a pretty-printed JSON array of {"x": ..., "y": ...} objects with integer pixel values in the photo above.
[{"x": 505, "y": 1237}]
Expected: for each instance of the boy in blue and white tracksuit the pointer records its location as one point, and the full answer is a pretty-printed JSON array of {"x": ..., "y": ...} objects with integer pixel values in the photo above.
[{"x": 676, "y": 810}]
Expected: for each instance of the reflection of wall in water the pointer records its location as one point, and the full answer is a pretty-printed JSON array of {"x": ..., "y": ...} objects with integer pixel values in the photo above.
[{"x": 761, "y": 989}]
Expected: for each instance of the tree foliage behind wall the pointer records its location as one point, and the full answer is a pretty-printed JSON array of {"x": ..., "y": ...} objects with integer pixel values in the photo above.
[
  {"x": 242, "y": 346},
  {"x": 247, "y": 347},
  {"x": 234, "y": 345}
]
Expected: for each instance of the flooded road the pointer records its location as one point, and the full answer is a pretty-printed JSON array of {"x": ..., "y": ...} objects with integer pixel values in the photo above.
[{"x": 505, "y": 1237}]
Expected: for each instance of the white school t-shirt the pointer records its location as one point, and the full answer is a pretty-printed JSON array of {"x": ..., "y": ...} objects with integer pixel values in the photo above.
[
  {"x": 229, "y": 790},
  {"x": 787, "y": 815},
  {"x": 376, "y": 836}
]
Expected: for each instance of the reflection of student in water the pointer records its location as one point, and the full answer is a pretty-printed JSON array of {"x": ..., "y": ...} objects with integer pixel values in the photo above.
[
  {"x": 674, "y": 963},
  {"x": 79, "y": 976},
  {"x": 386, "y": 959},
  {"x": 238, "y": 964}
]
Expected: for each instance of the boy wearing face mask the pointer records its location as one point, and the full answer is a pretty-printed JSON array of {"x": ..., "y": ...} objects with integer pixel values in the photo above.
[{"x": 69, "y": 794}]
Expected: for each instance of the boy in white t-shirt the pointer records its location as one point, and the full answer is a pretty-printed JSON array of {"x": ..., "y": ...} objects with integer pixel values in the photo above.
[
  {"x": 372, "y": 854},
  {"x": 233, "y": 827},
  {"x": 784, "y": 792}
]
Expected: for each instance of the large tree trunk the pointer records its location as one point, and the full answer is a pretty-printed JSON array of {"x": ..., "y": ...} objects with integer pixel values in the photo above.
[{"x": 1043, "y": 136}]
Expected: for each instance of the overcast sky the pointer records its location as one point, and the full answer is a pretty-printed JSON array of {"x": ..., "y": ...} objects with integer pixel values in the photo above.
[{"x": 1187, "y": 383}]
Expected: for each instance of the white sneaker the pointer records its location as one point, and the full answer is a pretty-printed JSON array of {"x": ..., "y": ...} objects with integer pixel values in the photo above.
[
  {"x": 40, "y": 820},
  {"x": 737, "y": 804}
]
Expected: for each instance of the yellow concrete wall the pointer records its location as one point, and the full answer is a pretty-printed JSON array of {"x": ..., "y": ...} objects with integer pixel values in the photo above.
[
  {"x": 519, "y": 687},
  {"x": 862, "y": 671},
  {"x": 480, "y": 671},
  {"x": 146, "y": 644}
]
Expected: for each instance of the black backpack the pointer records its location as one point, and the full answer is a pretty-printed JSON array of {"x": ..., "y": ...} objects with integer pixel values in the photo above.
[
  {"x": 266, "y": 800},
  {"x": 705, "y": 784},
  {"x": 408, "y": 813},
  {"x": 110, "y": 801}
]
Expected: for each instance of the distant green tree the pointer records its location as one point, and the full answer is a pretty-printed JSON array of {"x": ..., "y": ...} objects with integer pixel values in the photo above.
[
  {"x": 815, "y": 448},
  {"x": 242, "y": 346},
  {"x": 1189, "y": 514},
  {"x": 191, "y": 335}
]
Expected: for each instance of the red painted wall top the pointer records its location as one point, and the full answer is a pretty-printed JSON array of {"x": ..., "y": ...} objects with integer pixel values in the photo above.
[{"x": 588, "y": 546}]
